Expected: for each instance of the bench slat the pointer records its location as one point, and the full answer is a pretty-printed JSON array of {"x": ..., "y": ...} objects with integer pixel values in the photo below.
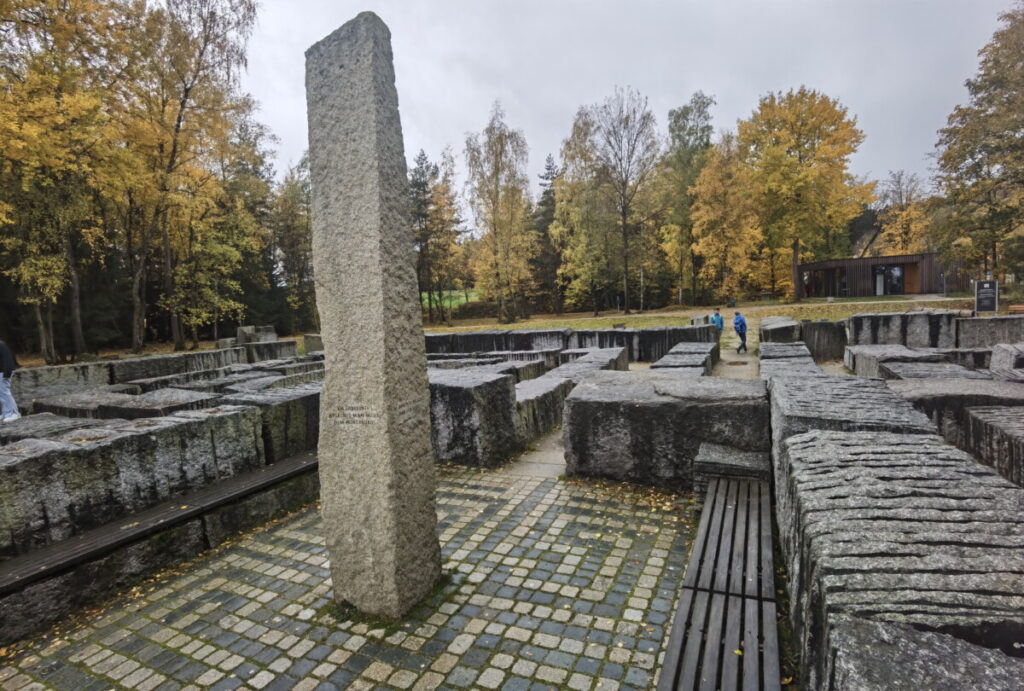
[
  {"x": 720, "y": 567},
  {"x": 752, "y": 583},
  {"x": 689, "y": 672},
  {"x": 770, "y": 652},
  {"x": 767, "y": 570},
  {"x": 712, "y": 644}
]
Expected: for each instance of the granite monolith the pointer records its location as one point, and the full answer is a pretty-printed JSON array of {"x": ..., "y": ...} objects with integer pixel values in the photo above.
[{"x": 376, "y": 465}]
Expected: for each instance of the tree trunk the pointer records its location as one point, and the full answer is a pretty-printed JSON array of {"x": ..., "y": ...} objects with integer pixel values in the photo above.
[
  {"x": 77, "y": 337},
  {"x": 139, "y": 308},
  {"x": 176, "y": 333},
  {"x": 625, "y": 265},
  {"x": 45, "y": 337},
  {"x": 796, "y": 271}
]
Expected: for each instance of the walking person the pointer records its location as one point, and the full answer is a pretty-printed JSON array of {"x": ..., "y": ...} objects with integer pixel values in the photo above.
[
  {"x": 740, "y": 325},
  {"x": 716, "y": 319},
  {"x": 8, "y": 408}
]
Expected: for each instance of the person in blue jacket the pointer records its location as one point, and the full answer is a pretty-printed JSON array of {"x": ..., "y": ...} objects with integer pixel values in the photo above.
[
  {"x": 8, "y": 408},
  {"x": 740, "y": 324},
  {"x": 716, "y": 319}
]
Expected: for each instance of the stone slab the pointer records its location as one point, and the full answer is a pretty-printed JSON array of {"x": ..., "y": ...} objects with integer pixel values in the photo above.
[
  {"x": 42, "y": 426},
  {"x": 788, "y": 367},
  {"x": 826, "y": 340},
  {"x": 81, "y": 403},
  {"x": 985, "y": 332},
  {"x": 928, "y": 370},
  {"x": 290, "y": 418},
  {"x": 685, "y": 360},
  {"x": 787, "y": 349},
  {"x": 473, "y": 417},
  {"x": 376, "y": 467},
  {"x": 539, "y": 405},
  {"x": 779, "y": 330},
  {"x": 995, "y": 436},
  {"x": 150, "y": 366},
  {"x": 157, "y": 403},
  {"x": 648, "y": 426},
  {"x": 924, "y": 329},
  {"x": 270, "y": 350},
  {"x": 865, "y": 359},
  {"x": 899, "y": 528},
  {"x": 718, "y": 460},
  {"x": 946, "y": 400}
]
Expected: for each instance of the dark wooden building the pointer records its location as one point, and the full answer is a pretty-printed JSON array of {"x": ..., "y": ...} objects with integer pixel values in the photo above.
[{"x": 905, "y": 274}]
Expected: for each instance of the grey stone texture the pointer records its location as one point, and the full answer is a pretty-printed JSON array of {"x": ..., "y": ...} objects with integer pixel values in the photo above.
[
  {"x": 290, "y": 418},
  {"x": 779, "y": 330},
  {"x": 270, "y": 350},
  {"x": 473, "y": 417},
  {"x": 1008, "y": 361},
  {"x": 868, "y": 655},
  {"x": 685, "y": 361},
  {"x": 81, "y": 404},
  {"x": 376, "y": 464},
  {"x": 30, "y": 383},
  {"x": 594, "y": 360},
  {"x": 226, "y": 343},
  {"x": 539, "y": 405},
  {"x": 42, "y": 426},
  {"x": 946, "y": 401},
  {"x": 718, "y": 460},
  {"x": 925, "y": 329},
  {"x": 995, "y": 436},
  {"x": 803, "y": 403},
  {"x": 971, "y": 358},
  {"x": 826, "y": 340},
  {"x": 898, "y": 528},
  {"x": 313, "y": 343},
  {"x": 788, "y": 367},
  {"x": 787, "y": 349},
  {"x": 985, "y": 332},
  {"x": 648, "y": 426},
  {"x": 83, "y": 478},
  {"x": 255, "y": 334},
  {"x": 519, "y": 370},
  {"x": 156, "y": 404},
  {"x": 150, "y": 366},
  {"x": 594, "y": 339},
  {"x": 654, "y": 343},
  {"x": 865, "y": 359},
  {"x": 928, "y": 370}
]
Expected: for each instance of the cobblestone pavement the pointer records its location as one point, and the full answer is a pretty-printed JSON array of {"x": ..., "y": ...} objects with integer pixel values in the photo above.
[{"x": 553, "y": 584}]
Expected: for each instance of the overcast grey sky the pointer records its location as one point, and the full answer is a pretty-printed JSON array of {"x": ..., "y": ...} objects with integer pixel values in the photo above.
[{"x": 898, "y": 65}]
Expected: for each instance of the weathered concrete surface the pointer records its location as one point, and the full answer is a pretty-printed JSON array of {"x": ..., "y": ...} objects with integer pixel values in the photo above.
[
  {"x": 802, "y": 403},
  {"x": 898, "y": 528},
  {"x": 461, "y": 363},
  {"x": 648, "y": 426},
  {"x": 779, "y": 330},
  {"x": 655, "y": 343},
  {"x": 539, "y": 405},
  {"x": 788, "y": 349},
  {"x": 550, "y": 356},
  {"x": 83, "y": 478},
  {"x": 376, "y": 462},
  {"x": 473, "y": 417},
  {"x": 863, "y": 655},
  {"x": 717, "y": 460},
  {"x": 290, "y": 418},
  {"x": 270, "y": 350},
  {"x": 788, "y": 367},
  {"x": 29, "y": 383},
  {"x": 971, "y": 358},
  {"x": 945, "y": 401},
  {"x": 985, "y": 332},
  {"x": 594, "y": 360},
  {"x": 150, "y": 366},
  {"x": 865, "y": 359},
  {"x": 926, "y": 329},
  {"x": 42, "y": 426},
  {"x": 709, "y": 348},
  {"x": 519, "y": 370},
  {"x": 226, "y": 343},
  {"x": 1008, "y": 361},
  {"x": 157, "y": 403},
  {"x": 995, "y": 435},
  {"x": 928, "y": 370},
  {"x": 81, "y": 403},
  {"x": 594, "y": 339},
  {"x": 685, "y": 361},
  {"x": 826, "y": 340}
]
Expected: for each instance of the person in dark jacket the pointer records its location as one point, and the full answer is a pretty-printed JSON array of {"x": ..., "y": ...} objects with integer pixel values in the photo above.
[
  {"x": 8, "y": 408},
  {"x": 740, "y": 325}
]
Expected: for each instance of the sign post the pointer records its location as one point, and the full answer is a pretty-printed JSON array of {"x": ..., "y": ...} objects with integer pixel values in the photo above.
[{"x": 986, "y": 296}]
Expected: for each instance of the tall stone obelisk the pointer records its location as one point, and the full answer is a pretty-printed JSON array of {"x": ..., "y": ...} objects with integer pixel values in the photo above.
[{"x": 377, "y": 474}]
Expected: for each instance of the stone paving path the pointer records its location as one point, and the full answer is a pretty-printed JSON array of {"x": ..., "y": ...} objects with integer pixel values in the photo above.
[{"x": 553, "y": 584}]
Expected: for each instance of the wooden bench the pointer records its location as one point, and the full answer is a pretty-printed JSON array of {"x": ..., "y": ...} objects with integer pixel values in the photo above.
[
  {"x": 1016, "y": 309},
  {"x": 724, "y": 634}
]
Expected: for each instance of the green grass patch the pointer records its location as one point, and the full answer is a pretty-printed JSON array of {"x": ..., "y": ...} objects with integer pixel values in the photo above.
[{"x": 452, "y": 298}]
